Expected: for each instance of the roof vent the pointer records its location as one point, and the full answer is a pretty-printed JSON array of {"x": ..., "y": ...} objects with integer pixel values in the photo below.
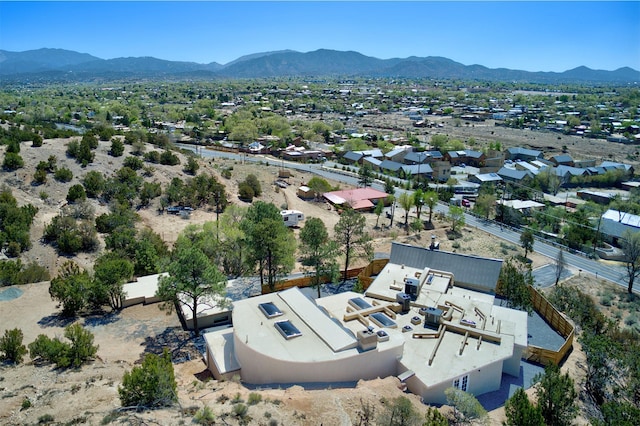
[{"x": 367, "y": 340}]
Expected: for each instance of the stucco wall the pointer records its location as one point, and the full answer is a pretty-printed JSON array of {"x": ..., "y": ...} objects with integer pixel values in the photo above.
[
  {"x": 259, "y": 368},
  {"x": 512, "y": 365},
  {"x": 486, "y": 379}
]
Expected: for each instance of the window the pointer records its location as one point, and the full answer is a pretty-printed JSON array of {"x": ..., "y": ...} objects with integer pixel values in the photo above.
[
  {"x": 461, "y": 383},
  {"x": 287, "y": 329},
  {"x": 270, "y": 310}
]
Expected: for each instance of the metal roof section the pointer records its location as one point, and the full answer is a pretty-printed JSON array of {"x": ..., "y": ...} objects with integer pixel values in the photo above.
[
  {"x": 622, "y": 217},
  {"x": 390, "y": 165},
  {"x": 352, "y": 196},
  {"x": 615, "y": 223},
  {"x": 513, "y": 174},
  {"x": 479, "y": 273}
]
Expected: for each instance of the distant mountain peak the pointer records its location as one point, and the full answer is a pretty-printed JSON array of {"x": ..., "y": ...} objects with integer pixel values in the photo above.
[{"x": 55, "y": 62}]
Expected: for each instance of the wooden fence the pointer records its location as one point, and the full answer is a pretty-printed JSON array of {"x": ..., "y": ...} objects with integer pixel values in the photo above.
[
  {"x": 306, "y": 281},
  {"x": 559, "y": 323},
  {"x": 367, "y": 275}
]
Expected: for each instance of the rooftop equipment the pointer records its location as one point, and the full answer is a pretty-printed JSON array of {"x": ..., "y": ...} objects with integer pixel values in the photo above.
[
  {"x": 405, "y": 302},
  {"x": 432, "y": 317},
  {"x": 411, "y": 287}
]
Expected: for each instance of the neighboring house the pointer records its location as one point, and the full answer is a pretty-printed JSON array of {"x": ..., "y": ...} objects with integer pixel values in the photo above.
[
  {"x": 255, "y": 148},
  {"x": 375, "y": 153},
  {"x": 423, "y": 157},
  {"x": 414, "y": 170},
  {"x": 567, "y": 172},
  {"x": 397, "y": 154},
  {"x": 524, "y": 154},
  {"x": 618, "y": 138},
  {"x": 512, "y": 175},
  {"x": 302, "y": 155},
  {"x": 392, "y": 167},
  {"x": 525, "y": 207},
  {"x": 492, "y": 163},
  {"x": 373, "y": 162},
  {"x": 523, "y": 165},
  {"x": 357, "y": 199},
  {"x": 352, "y": 157},
  {"x": 562, "y": 160},
  {"x": 485, "y": 178},
  {"x": 467, "y": 157},
  {"x": 441, "y": 171},
  {"x": 596, "y": 197},
  {"x": 627, "y": 167},
  {"x": 410, "y": 323},
  {"x": 614, "y": 223},
  {"x": 584, "y": 163}
]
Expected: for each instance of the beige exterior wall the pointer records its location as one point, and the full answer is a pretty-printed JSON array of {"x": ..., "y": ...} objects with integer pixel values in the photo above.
[
  {"x": 213, "y": 368},
  {"x": 260, "y": 368},
  {"x": 512, "y": 365},
  {"x": 483, "y": 380}
]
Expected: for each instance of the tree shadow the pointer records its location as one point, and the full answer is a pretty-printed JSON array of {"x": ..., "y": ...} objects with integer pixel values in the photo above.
[
  {"x": 204, "y": 376},
  {"x": 96, "y": 320},
  {"x": 56, "y": 320},
  {"x": 180, "y": 343},
  {"x": 452, "y": 235}
]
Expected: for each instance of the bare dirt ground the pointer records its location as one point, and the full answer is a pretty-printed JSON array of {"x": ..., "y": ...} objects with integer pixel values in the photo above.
[{"x": 89, "y": 395}]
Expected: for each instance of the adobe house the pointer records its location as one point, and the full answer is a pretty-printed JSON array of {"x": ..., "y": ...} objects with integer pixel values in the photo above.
[{"x": 415, "y": 321}]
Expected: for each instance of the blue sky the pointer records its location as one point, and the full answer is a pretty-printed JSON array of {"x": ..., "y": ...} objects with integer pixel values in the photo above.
[{"x": 533, "y": 36}]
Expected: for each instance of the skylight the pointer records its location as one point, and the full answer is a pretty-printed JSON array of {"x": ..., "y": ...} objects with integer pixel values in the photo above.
[
  {"x": 270, "y": 310},
  {"x": 287, "y": 329},
  {"x": 382, "y": 320}
]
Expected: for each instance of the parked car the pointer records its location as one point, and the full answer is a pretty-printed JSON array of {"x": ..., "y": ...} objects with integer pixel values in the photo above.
[
  {"x": 178, "y": 209},
  {"x": 466, "y": 203}
]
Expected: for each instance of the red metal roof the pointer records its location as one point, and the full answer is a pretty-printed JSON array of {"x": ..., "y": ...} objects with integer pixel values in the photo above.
[{"x": 360, "y": 197}]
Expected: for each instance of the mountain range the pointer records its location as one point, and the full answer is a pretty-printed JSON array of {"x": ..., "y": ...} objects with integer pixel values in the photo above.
[{"x": 65, "y": 65}]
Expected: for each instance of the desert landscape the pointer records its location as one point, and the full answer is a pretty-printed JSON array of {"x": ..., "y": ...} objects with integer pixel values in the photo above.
[{"x": 89, "y": 395}]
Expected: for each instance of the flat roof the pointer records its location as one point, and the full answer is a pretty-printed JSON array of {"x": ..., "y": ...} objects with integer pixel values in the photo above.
[
  {"x": 222, "y": 350},
  {"x": 144, "y": 289},
  {"x": 207, "y": 306},
  {"x": 506, "y": 325},
  {"x": 322, "y": 335}
]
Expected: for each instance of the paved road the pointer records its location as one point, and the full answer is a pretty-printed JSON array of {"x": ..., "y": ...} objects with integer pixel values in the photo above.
[{"x": 613, "y": 273}]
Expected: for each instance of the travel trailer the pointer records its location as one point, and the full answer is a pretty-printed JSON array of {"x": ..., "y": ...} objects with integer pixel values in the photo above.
[{"x": 292, "y": 217}]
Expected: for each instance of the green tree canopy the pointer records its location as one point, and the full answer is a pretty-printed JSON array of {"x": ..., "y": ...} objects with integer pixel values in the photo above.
[
  {"x": 318, "y": 252},
  {"x": 513, "y": 284},
  {"x": 151, "y": 384},
  {"x": 527, "y": 240},
  {"x": 352, "y": 237},
  {"x": 192, "y": 281},
  {"x": 556, "y": 396},
  {"x": 521, "y": 412}
]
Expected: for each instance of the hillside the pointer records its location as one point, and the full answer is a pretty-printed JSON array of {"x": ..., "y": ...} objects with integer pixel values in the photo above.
[{"x": 58, "y": 64}]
